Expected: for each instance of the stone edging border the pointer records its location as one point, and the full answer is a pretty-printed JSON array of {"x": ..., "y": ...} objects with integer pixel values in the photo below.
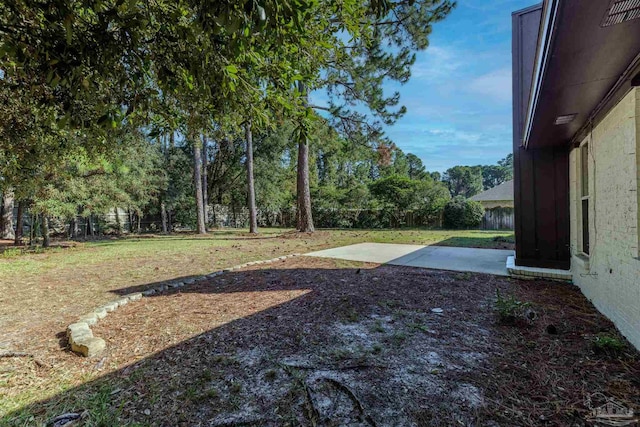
[{"x": 81, "y": 337}]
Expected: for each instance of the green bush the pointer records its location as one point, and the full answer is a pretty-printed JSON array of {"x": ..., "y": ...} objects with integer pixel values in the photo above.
[
  {"x": 510, "y": 309},
  {"x": 462, "y": 213}
]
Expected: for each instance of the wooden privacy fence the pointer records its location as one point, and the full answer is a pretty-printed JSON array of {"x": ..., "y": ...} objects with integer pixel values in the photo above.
[{"x": 497, "y": 219}]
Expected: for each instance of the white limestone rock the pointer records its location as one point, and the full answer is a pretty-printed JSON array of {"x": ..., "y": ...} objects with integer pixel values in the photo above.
[
  {"x": 78, "y": 329},
  {"x": 89, "y": 318},
  {"x": 88, "y": 346},
  {"x": 137, "y": 296}
]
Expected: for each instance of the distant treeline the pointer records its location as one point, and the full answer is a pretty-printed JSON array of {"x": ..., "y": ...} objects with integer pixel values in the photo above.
[{"x": 150, "y": 182}]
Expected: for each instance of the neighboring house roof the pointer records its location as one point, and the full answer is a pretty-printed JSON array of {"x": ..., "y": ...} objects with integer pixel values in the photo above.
[{"x": 500, "y": 192}]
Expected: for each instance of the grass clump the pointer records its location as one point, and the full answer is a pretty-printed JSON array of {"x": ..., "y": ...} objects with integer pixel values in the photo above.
[
  {"x": 609, "y": 345},
  {"x": 505, "y": 239},
  {"x": 397, "y": 339},
  {"x": 11, "y": 252},
  {"x": 377, "y": 327},
  {"x": 270, "y": 375},
  {"x": 212, "y": 393},
  {"x": 236, "y": 387}
]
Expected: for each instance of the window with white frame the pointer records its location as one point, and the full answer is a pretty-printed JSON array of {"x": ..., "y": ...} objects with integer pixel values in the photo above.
[{"x": 584, "y": 198}]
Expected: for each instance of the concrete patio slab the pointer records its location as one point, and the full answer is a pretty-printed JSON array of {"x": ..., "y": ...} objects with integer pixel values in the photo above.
[{"x": 490, "y": 261}]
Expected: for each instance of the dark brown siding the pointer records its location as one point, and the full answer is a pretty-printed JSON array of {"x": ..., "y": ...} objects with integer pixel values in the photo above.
[{"x": 541, "y": 175}]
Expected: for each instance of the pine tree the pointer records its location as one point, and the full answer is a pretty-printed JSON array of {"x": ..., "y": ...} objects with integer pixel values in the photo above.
[{"x": 251, "y": 191}]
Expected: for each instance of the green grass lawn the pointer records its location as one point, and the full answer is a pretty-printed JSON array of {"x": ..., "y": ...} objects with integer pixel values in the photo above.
[
  {"x": 197, "y": 249},
  {"x": 62, "y": 281}
]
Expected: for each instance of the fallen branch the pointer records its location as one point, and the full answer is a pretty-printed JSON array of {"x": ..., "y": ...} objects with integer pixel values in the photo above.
[
  {"x": 358, "y": 366},
  {"x": 313, "y": 413},
  {"x": 24, "y": 354},
  {"x": 353, "y": 398},
  {"x": 335, "y": 368},
  {"x": 15, "y": 354},
  {"x": 242, "y": 423}
]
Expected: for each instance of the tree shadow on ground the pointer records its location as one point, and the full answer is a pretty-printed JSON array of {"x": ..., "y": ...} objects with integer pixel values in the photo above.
[
  {"x": 480, "y": 241},
  {"x": 305, "y": 343},
  {"x": 211, "y": 236}
]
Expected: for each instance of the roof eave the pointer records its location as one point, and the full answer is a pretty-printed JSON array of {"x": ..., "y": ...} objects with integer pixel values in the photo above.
[
  {"x": 527, "y": 9},
  {"x": 546, "y": 35}
]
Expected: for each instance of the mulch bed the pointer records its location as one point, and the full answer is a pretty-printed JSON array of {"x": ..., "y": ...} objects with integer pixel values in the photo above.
[{"x": 321, "y": 342}]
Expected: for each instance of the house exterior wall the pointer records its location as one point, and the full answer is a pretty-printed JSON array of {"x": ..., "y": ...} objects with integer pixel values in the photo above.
[
  {"x": 610, "y": 275},
  {"x": 541, "y": 175}
]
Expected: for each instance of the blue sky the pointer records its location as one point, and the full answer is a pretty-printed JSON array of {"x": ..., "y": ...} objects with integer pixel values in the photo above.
[{"x": 459, "y": 95}]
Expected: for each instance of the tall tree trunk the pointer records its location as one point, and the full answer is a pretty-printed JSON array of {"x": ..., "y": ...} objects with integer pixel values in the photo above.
[
  {"x": 72, "y": 226},
  {"x": 75, "y": 231},
  {"x": 197, "y": 179},
  {"x": 205, "y": 196},
  {"x": 164, "y": 212},
  {"x": 118, "y": 223},
  {"x": 6, "y": 218},
  {"x": 45, "y": 231},
  {"x": 130, "y": 214},
  {"x": 251, "y": 190},
  {"x": 233, "y": 214},
  {"x": 19, "y": 224},
  {"x": 32, "y": 229},
  {"x": 303, "y": 214},
  {"x": 163, "y": 217}
]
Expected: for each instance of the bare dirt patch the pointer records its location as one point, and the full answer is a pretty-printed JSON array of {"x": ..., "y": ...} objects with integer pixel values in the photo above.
[{"x": 323, "y": 342}]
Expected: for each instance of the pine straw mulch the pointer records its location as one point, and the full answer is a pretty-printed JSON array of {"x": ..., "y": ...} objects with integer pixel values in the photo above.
[
  {"x": 35, "y": 305},
  {"x": 322, "y": 342}
]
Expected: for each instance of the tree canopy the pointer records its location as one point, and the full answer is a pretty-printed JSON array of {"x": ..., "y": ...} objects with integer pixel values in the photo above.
[
  {"x": 147, "y": 107},
  {"x": 468, "y": 181}
]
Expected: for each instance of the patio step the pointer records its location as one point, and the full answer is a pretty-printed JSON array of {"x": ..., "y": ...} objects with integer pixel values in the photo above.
[{"x": 521, "y": 272}]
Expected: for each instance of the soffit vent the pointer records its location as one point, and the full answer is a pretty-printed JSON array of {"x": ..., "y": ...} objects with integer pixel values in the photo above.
[
  {"x": 621, "y": 11},
  {"x": 563, "y": 120}
]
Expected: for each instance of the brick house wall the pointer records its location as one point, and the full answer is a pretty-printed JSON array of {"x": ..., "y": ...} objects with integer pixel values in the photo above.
[{"x": 610, "y": 275}]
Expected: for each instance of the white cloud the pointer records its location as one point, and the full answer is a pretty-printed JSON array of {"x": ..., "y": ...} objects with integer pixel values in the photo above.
[
  {"x": 496, "y": 84},
  {"x": 454, "y": 135},
  {"x": 442, "y": 144},
  {"x": 436, "y": 63}
]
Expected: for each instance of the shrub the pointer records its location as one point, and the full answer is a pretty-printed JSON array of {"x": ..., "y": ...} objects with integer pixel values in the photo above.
[
  {"x": 510, "y": 309},
  {"x": 399, "y": 192},
  {"x": 462, "y": 213},
  {"x": 399, "y": 195}
]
